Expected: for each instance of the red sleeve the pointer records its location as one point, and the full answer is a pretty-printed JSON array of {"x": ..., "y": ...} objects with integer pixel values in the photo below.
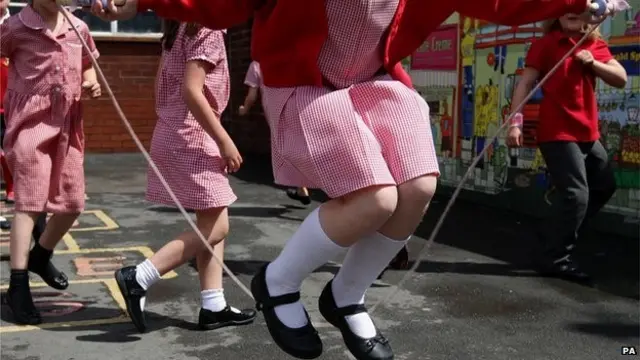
[
  {"x": 600, "y": 51},
  {"x": 214, "y": 14},
  {"x": 518, "y": 12},
  {"x": 535, "y": 58},
  {"x": 398, "y": 73}
]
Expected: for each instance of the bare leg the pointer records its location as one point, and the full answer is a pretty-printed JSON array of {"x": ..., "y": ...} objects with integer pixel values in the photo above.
[
  {"x": 20, "y": 239},
  {"x": 209, "y": 271},
  {"x": 213, "y": 223}
]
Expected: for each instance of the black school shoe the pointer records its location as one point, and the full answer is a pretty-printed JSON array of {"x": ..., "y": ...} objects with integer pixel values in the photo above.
[
  {"x": 293, "y": 194},
  {"x": 376, "y": 348},
  {"x": 20, "y": 301},
  {"x": 210, "y": 320},
  {"x": 41, "y": 265},
  {"x": 566, "y": 268},
  {"x": 302, "y": 343},
  {"x": 132, "y": 292}
]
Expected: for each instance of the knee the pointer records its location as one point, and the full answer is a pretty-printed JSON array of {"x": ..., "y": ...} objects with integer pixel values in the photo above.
[
  {"x": 418, "y": 191},
  {"x": 380, "y": 203},
  {"x": 577, "y": 197}
]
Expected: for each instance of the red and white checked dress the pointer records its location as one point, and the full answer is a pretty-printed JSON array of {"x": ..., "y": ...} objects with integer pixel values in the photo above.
[
  {"x": 367, "y": 130},
  {"x": 187, "y": 157},
  {"x": 44, "y": 141}
]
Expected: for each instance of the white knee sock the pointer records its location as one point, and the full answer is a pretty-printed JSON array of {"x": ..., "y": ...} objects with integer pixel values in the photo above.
[
  {"x": 362, "y": 265},
  {"x": 146, "y": 275},
  {"x": 308, "y": 249},
  {"x": 213, "y": 300}
]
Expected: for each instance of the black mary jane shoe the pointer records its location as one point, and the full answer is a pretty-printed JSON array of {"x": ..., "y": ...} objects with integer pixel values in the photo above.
[
  {"x": 375, "y": 348},
  {"x": 302, "y": 343},
  {"x": 294, "y": 195},
  {"x": 132, "y": 293},
  {"x": 50, "y": 275},
  {"x": 211, "y": 320}
]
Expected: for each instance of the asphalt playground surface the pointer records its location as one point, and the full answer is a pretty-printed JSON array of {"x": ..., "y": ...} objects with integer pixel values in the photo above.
[{"x": 474, "y": 298}]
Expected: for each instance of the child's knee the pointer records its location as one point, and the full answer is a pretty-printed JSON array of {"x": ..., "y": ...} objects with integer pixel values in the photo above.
[
  {"x": 376, "y": 203},
  {"x": 418, "y": 191}
]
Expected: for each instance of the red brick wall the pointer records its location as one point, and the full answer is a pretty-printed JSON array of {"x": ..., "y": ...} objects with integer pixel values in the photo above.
[{"x": 130, "y": 68}]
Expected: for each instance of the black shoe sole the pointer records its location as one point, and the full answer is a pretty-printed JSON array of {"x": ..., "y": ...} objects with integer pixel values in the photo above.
[
  {"x": 220, "y": 325},
  {"x": 123, "y": 291}
]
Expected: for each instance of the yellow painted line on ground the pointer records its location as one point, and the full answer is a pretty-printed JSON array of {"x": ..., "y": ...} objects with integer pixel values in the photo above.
[
  {"x": 67, "y": 324},
  {"x": 108, "y": 222},
  {"x": 114, "y": 290},
  {"x": 70, "y": 242},
  {"x": 144, "y": 250},
  {"x": 71, "y": 282}
]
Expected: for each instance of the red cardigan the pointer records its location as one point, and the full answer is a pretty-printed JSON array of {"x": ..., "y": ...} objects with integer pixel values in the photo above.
[{"x": 288, "y": 34}]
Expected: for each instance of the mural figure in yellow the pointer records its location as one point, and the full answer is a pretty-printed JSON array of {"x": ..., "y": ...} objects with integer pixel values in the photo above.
[{"x": 467, "y": 54}]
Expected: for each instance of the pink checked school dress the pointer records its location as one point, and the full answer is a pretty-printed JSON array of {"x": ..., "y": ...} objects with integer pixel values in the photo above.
[
  {"x": 44, "y": 140},
  {"x": 363, "y": 128},
  {"x": 187, "y": 157}
]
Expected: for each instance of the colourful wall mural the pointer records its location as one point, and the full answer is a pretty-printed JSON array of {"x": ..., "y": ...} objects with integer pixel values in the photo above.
[{"x": 489, "y": 62}]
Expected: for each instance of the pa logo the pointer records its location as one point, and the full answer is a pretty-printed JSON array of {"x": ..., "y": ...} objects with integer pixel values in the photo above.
[{"x": 629, "y": 350}]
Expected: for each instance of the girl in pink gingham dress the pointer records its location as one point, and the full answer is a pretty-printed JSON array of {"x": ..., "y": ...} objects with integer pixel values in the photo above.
[
  {"x": 365, "y": 139},
  {"x": 194, "y": 154},
  {"x": 44, "y": 140},
  {"x": 253, "y": 79}
]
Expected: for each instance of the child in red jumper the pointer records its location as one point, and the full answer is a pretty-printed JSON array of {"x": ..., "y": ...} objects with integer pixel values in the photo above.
[
  {"x": 345, "y": 119},
  {"x": 568, "y": 131}
]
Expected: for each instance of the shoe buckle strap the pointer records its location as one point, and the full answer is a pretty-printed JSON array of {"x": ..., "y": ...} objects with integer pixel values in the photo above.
[{"x": 271, "y": 302}]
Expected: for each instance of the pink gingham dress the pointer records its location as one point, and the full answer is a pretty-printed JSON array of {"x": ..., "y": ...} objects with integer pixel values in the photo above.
[
  {"x": 254, "y": 76},
  {"x": 187, "y": 157},
  {"x": 44, "y": 141},
  {"x": 367, "y": 130}
]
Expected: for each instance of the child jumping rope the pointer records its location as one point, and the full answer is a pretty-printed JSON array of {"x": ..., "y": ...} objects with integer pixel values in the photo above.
[
  {"x": 568, "y": 134},
  {"x": 44, "y": 141},
  {"x": 344, "y": 119},
  {"x": 253, "y": 80},
  {"x": 194, "y": 153}
]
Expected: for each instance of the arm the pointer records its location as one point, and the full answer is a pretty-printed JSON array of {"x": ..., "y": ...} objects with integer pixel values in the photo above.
[
  {"x": 214, "y": 14},
  {"x": 610, "y": 72},
  {"x": 86, "y": 56},
  {"x": 197, "y": 103},
  {"x": 526, "y": 83},
  {"x": 251, "y": 98},
  {"x": 517, "y": 12},
  {"x": 89, "y": 75}
]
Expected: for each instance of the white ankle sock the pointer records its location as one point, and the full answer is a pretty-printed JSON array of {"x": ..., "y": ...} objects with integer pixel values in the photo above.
[
  {"x": 213, "y": 300},
  {"x": 308, "y": 249},
  {"x": 146, "y": 275},
  {"x": 362, "y": 265}
]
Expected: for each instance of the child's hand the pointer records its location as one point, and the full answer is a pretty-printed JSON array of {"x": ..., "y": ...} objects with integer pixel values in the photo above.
[
  {"x": 585, "y": 56},
  {"x": 231, "y": 156},
  {"x": 92, "y": 88},
  {"x": 514, "y": 137},
  {"x": 243, "y": 110}
]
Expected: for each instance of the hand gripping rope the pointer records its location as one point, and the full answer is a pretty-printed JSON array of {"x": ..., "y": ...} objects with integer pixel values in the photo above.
[{"x": 423, "y": 252}]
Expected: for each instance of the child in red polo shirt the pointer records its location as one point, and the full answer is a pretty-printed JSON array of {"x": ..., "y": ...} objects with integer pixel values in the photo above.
[{"x": 568, "y": 133}]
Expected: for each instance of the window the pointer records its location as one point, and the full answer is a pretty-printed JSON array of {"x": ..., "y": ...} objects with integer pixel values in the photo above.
[{"x": 144, "y": 26}]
